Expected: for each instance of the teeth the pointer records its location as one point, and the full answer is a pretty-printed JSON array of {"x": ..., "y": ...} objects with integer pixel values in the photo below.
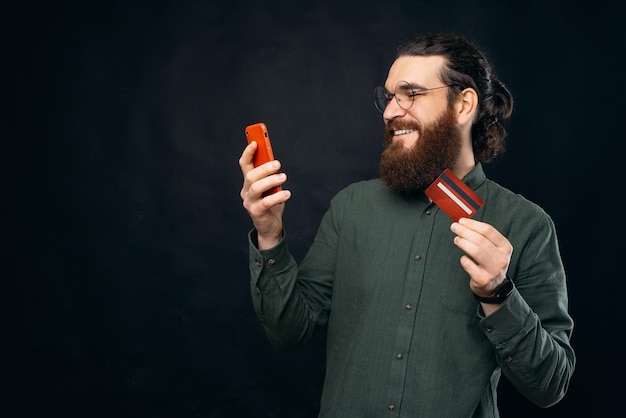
[{"x": 403, "y": 131}]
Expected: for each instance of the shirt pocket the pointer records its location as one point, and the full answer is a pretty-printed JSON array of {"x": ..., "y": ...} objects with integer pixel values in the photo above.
[{"x": 454, "y": 291}]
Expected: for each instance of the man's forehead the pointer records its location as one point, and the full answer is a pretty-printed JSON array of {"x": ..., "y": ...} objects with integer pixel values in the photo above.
[{"x": 420, "y": 71}]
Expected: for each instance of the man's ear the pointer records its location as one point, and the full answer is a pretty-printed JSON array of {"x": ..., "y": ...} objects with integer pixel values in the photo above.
[{"x": 466, "y": 106}]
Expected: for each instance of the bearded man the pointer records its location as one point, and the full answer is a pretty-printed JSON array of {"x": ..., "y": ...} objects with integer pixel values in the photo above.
[{"x": 423, "y": 314}]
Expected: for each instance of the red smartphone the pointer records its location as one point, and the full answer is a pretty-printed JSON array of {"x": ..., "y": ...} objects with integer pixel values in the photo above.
[{"x": 258, "y": 132}]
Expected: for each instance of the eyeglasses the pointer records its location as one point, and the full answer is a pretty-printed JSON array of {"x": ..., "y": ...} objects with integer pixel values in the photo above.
[{"x": 404, "y": 93}]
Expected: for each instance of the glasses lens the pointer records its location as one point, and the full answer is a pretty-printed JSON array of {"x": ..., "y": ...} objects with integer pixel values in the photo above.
[
  {"x": 404, "y": 95},
  {"x": 381, "y": 98}
]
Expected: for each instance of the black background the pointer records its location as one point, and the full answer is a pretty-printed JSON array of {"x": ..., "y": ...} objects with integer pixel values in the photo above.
[{"x": 124, "y": 241}]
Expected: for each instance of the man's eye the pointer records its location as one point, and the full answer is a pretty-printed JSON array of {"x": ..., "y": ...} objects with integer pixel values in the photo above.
[{"x": 415, "y": 93}]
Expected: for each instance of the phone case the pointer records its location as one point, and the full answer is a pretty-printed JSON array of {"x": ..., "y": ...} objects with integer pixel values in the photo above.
[{"x": 258, "y": 132}]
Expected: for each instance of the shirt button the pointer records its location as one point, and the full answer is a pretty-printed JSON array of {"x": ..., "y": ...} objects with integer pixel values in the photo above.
[
  {"x": 428, "y": 212},
  {"x": 408, "y": 307},
  {"x": 258, "y": 263},
  {"x": 391, "y": 407},
  {"x": 418, "y": 257},
  {"x": 271, "y": 261},
  {"x": 508, "y": 359},
  {"x": 489, "y": 329},
  {"x": 399, "y": 356}
]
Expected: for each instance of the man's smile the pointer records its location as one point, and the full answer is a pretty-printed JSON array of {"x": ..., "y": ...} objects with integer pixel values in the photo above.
[{"x": 403, "y": 132}]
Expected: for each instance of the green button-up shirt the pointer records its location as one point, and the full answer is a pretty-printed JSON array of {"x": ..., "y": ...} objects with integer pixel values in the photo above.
[{"x": 406, "y": 338}]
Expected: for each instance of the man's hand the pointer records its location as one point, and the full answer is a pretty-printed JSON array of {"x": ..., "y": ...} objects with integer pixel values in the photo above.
[
  {"x": 487, "y": 254},
  {"x": 266, "y": 212}
]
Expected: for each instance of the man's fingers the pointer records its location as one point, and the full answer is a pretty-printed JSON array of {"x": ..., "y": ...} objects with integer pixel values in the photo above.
[
  {"x": 476, "y": 231},
  {"x": 483, "y": 245},
  {"x": 263, "y": 183},
  {"x": 247, "y": 156}
]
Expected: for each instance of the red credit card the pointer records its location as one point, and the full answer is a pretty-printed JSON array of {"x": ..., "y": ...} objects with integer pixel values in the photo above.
[{"x": 453, "y": 196}]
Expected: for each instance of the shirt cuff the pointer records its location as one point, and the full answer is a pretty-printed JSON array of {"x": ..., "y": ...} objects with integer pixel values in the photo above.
[
  {"x": 506, "y": 322},
  {"x": 273, "y": 259}
]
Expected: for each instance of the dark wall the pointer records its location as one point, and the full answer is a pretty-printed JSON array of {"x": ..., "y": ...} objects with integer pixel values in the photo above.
[{"x": 125, "y": 254}]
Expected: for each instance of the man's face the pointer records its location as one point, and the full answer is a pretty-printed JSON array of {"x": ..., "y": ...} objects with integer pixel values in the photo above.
[
  {"x": 413, "y": 170},
  {"x": 422, "y": 141}
]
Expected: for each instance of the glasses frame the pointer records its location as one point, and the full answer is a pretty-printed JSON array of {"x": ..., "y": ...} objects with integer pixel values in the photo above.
[{"x": 381, "y": 91}]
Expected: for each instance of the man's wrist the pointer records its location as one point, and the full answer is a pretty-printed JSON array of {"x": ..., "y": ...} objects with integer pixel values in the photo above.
[
  {"x": 502, "y": 292},
  {"x": 265, "y": 242}
]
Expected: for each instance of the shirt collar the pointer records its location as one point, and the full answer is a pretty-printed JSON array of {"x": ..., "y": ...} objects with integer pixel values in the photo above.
[{"x": 475, "y": 178}]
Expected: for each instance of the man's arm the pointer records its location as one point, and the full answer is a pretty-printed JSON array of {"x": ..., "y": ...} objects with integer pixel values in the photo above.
[
  {"x": 531, "y": 329},
  {"x": 289, "y": 307}
]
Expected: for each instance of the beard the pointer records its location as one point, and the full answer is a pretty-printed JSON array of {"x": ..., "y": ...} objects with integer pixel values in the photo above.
[{"x": 411, "y": 171}]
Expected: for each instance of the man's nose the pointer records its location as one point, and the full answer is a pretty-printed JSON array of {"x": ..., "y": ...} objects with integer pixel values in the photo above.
[{"x": 393, "y": 110}]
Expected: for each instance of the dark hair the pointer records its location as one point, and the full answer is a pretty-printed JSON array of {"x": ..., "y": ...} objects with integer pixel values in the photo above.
[{"x": 466, "y": 66}]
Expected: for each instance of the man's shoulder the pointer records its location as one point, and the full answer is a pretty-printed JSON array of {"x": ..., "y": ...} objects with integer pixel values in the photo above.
[
  {"x": 500, "y": 199},
  {"x": 363, "y": 189}
]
